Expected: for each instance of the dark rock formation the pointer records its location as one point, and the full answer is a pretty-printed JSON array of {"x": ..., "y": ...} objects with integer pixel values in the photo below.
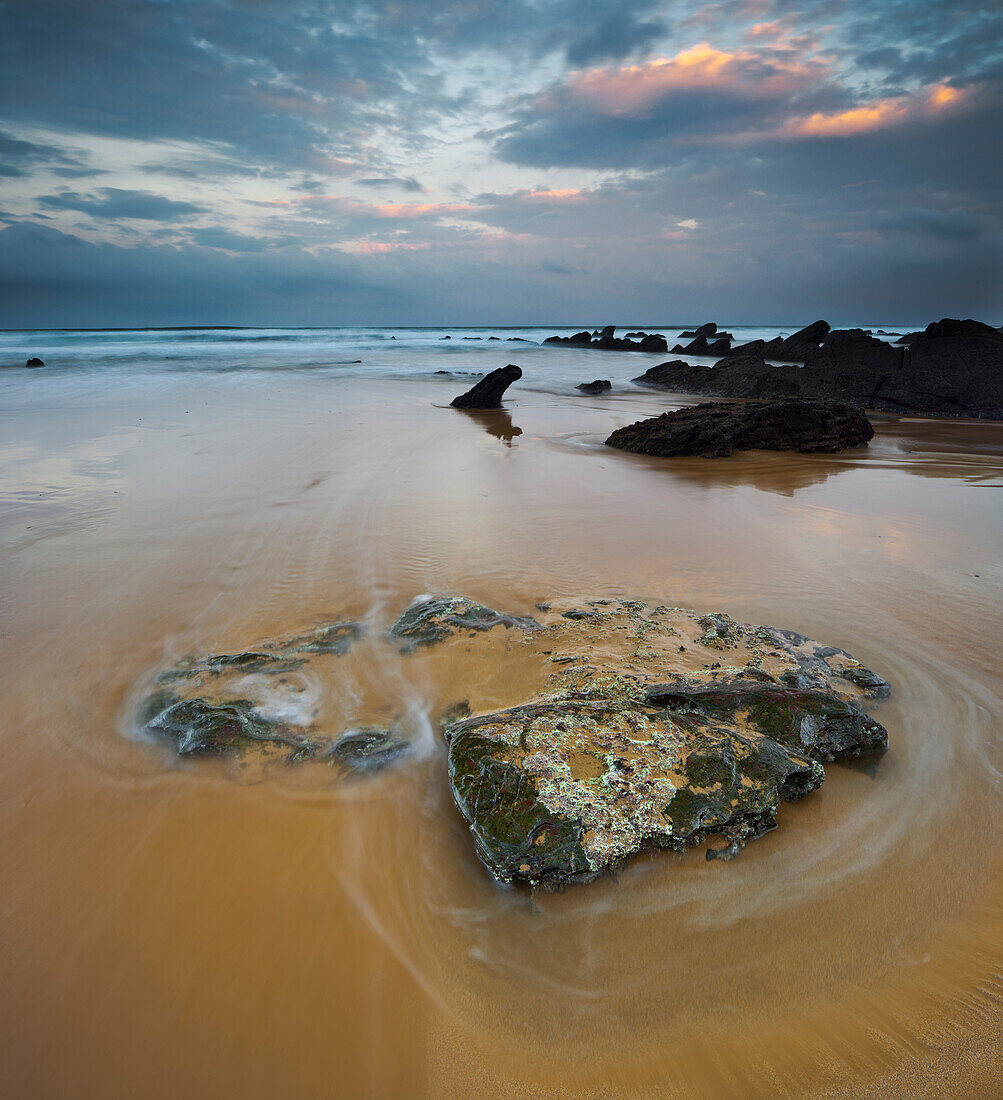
[
  {"x": 707, "y": 332},
  {"x": 487, "y": 394},
  {"x": 367, "y": 749},
  {"x": 801, "y": 346},
  {"x": 718, "y": 428},
  {"x": 952, "y": 368},
  {"x": 431, "y": 620},
  {"x": 201, "y": 726},
  {"x": 700, "y": 345},
  {"x": 565, "y": 786},
  {"x": 605, "y": 341},
  {"x": 34, "y": 363},
  {"x": 600, "y": 385}
]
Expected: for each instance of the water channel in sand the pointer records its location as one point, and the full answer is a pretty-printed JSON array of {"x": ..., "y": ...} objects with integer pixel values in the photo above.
[{"x": 197, "y": 928}]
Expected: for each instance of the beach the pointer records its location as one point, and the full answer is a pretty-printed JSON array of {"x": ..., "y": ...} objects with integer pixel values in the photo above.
[{"x": 196, "y": 926}]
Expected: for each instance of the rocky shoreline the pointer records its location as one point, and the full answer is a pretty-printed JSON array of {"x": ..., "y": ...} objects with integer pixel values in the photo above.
[{"x": 951, "y": 368}]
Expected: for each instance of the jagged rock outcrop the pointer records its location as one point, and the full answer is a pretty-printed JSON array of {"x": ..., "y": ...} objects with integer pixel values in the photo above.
[
  {"x": 488, "y": 393},
  {"x": 605, "y": 340},
  {"x": 600, "y": 385},
  {"x": 717, "y": 428},
  {"x": 700, "y": 345},
  {"x": 952, "y": 368}
]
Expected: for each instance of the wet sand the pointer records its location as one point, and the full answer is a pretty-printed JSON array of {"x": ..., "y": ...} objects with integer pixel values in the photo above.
[{"x": 203, "y": 929}]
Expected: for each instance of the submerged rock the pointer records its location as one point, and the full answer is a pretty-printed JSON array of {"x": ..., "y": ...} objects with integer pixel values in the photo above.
[
  {"x": 600, "y": 385},
  {"x": 368, "y": 749},
  {"x": 608, "y": 762},
  {"x": 203, "y": 726},
  {"x": 487, "y": 394},
  {"x": 34, "y": 363},
  {"x": 432, "y": 619},
  {"x": 717, "y": 428}
]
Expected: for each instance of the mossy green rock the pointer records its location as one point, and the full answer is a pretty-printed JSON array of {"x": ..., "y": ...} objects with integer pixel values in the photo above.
[{"x": 613, "y": 760}]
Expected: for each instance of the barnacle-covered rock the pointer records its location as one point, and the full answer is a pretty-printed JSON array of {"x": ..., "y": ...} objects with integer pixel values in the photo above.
[{"x": 639, "y": 741}]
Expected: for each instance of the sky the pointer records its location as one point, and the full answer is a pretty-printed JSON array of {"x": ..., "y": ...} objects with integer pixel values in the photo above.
[{"x": 341, "y": 162}]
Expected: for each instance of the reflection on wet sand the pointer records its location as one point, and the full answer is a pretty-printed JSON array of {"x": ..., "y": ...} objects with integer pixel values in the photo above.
[
  {"x": 496, "y": 422},
  {"x": 181, "y": 928}
]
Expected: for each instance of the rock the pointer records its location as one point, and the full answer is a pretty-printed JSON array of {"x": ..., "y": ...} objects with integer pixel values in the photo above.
[
  {"x": 701, "y": 346},
  {"x": 718, "y": 428},
  {"x": 487, "y": 394},
  {"x": 675, "y": 375},
  {"x": 704, "y": 331},
  {"x": 802, "y": 345},
  {"x": 610, "y": 760},
  {"x": 202, "y": 726},
  {"x": 635, "y": 335},
  {"x": 34, "y": 363},
  {"x": 447, "y": 337},
  {"x": 335, "y": 638},
  {"x": 600, "y": 385},
  {"x": 519, "y": 340},
  {"x": 368, "y": 749},
  {"x": 605, "y": 341},
  {"x": 432, "y": 619},
  {"x": 799, "y": 347},
  {"x": 953, "y": 368},
  {"x": 498, "y": 337}
]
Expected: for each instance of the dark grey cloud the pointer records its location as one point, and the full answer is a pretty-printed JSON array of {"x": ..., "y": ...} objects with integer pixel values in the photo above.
[
  {"x": 114, "y": 203},
  {"x": 19, "y": 158},
  {"x": 401, "y": 183},
  {"x": 948, "y": 225}
]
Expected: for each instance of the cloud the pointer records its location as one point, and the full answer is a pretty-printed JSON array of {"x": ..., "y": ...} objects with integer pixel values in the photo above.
[
  {"x": 408, "y": 183},
  {"x": 947, "y": 225},
  {"x": 528, "y": 154},
  {"x": 114, "y": 203},
  {"x": 215, "y": 236},
  {"x": 18, "y": 158}
]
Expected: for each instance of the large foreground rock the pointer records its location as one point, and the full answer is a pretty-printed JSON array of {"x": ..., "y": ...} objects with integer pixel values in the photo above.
[
  {"x": 953, "y": 368},
  {"x": 642, "y": 740},
  {"x": 488, "y": 393},
  {"x": 574, "y": 740},
  {"x": 718, "y": 428}
]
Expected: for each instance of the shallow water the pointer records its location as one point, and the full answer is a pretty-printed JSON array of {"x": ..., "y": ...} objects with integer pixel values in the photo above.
[{"x": 207, "y": 929}]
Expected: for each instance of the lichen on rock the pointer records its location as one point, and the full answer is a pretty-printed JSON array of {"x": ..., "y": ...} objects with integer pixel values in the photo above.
[{"x": 640, "y": 742}]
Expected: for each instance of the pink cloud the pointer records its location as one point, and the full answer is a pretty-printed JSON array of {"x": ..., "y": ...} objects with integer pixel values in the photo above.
[
  {"x": 630, "y": 90},
  {"x": 879, "y": 114}
]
